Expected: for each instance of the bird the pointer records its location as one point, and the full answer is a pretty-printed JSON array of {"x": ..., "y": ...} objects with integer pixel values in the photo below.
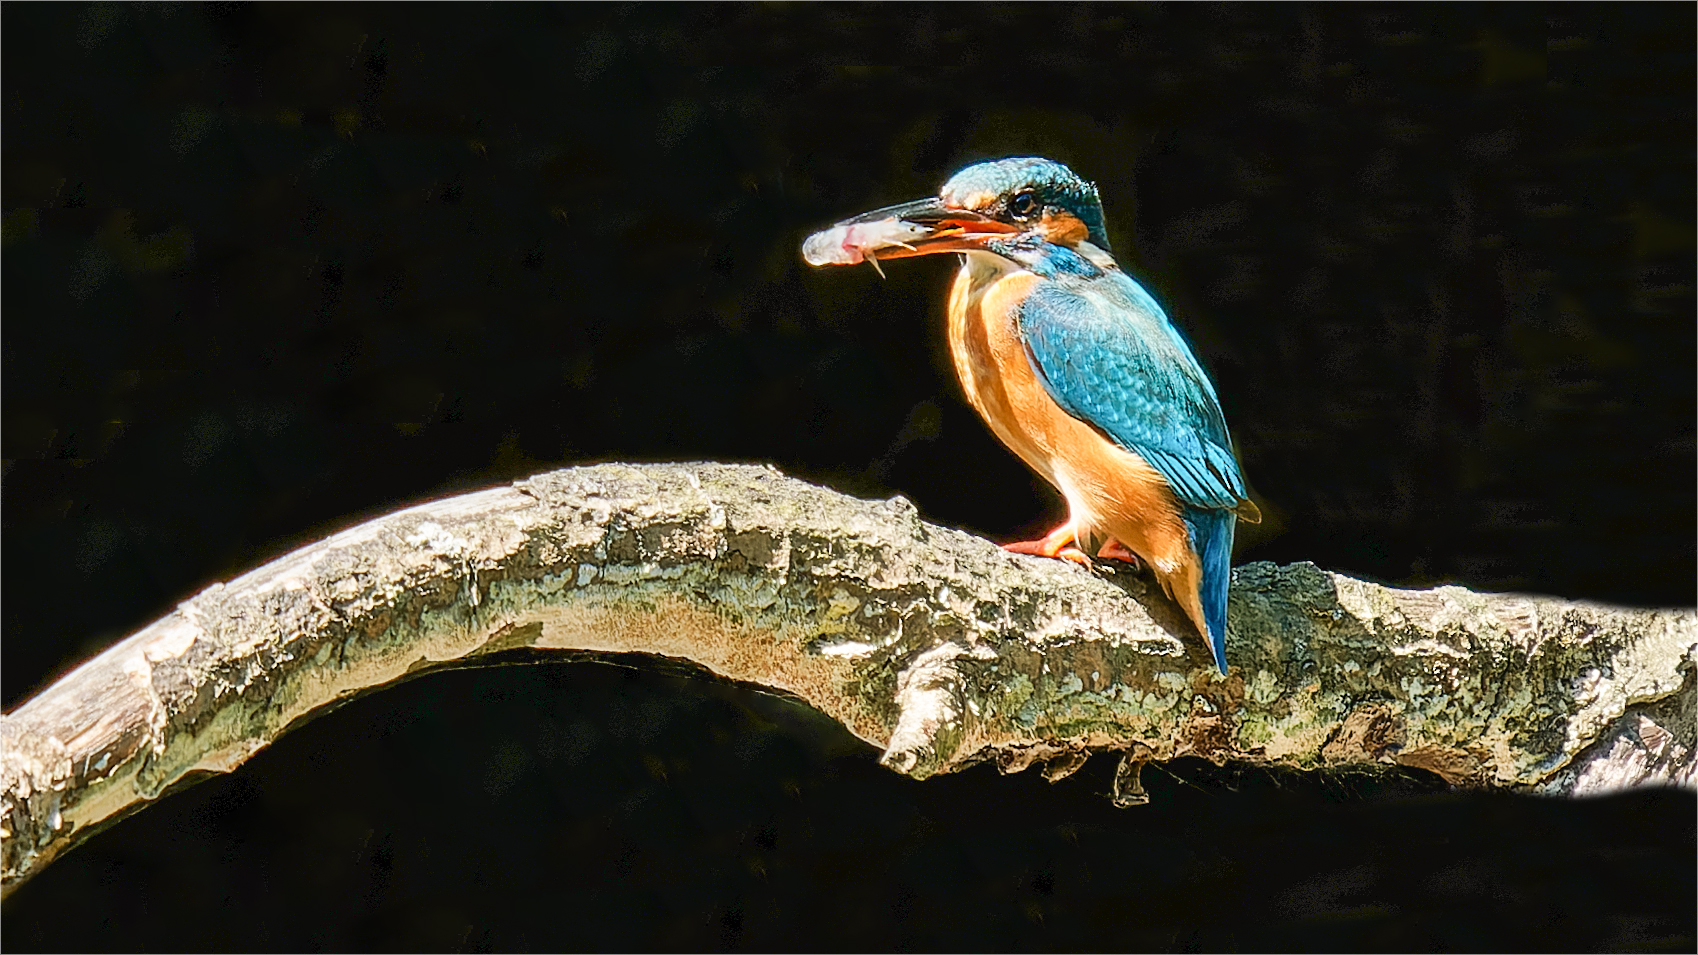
[{"x": 1077, "y": 370}]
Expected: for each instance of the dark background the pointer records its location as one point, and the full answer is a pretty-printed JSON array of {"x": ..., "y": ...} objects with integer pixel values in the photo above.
[{"x": 269, "y": 271}]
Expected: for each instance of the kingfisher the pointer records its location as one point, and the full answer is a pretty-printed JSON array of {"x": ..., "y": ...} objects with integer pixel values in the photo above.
[{"x": 1078, "y": 371}]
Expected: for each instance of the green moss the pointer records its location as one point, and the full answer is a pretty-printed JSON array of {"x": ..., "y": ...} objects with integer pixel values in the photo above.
[{"x": 1254, "y": 733}]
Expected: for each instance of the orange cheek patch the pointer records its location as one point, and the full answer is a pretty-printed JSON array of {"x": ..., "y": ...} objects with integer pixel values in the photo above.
[{"x": 1064, "y": 228}]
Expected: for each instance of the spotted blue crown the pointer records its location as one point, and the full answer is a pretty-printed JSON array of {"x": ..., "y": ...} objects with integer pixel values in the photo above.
[{"x": 1052, "y": 183}]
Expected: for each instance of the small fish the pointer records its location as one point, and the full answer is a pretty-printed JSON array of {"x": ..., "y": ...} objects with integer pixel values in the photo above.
[{"x": 849, "y": 243}]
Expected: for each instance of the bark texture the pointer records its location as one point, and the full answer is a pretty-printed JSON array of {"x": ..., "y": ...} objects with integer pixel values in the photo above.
[{"x": 933, "y": 645}]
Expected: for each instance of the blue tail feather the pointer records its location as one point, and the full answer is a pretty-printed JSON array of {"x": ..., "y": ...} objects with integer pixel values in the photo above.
[{"x": 1211, "y": 537}]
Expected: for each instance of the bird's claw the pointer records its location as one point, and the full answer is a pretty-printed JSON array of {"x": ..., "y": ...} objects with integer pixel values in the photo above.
[
  {"x": 1115, "y": 550},
  {"x": 1075, "y": 555},
  {"x": 1061, "y": 544},
  {"x": 1056, "y": 543},
  {"x": 1040, "y": 548}
]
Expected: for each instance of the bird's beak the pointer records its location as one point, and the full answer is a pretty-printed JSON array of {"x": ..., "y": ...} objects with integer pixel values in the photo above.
[
  {"x": 921, "y": 227},
  {"x": 949, "y": 229}
]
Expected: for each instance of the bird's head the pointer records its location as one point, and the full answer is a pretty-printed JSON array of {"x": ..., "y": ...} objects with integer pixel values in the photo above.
[
  {"x": 990, "y": 206},
  {"x": 1034, "y": 195}
]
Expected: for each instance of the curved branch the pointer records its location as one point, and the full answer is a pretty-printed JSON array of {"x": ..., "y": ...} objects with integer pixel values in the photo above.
[{"x": 933, "y": 645}]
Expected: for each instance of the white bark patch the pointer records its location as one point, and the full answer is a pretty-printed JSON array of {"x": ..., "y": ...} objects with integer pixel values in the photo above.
[{"x": 927, "y": 694}]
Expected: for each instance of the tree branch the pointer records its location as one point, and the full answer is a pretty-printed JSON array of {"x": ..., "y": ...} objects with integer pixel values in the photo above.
[{"x": 933, "y": 645}]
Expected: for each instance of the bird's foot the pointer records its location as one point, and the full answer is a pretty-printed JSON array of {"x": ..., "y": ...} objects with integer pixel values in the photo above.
[
  {"x": 1057, "y": 543},
  {"x": 1062, "y": 543},
  {"x": 1115, "y": 550}
]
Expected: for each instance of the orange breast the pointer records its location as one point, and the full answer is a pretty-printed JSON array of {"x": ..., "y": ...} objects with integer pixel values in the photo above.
[{"x": 1111, "y": 491}]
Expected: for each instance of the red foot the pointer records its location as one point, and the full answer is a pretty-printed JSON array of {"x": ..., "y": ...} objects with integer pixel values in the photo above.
[
  {"x": 1115, "y": 550},
  {"x": 1057, "y": 543},
  {"x": 1060, "y": 542}
]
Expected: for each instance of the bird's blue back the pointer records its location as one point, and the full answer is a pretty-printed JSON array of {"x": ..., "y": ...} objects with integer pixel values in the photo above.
[{"x": 1107, "y": 354}]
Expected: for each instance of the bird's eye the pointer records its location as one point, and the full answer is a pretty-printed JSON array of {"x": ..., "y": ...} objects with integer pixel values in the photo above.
[{"x": 1022, "y": 205}]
